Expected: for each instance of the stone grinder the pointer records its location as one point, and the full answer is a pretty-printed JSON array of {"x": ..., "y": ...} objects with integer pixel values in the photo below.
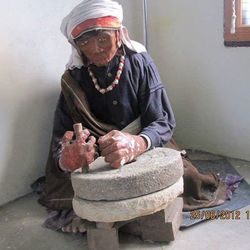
[{"x": 140, "y": 198}]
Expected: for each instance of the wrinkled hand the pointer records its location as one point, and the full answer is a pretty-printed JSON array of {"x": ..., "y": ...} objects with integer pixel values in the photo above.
[
  {"x": 78, "y": 153},
  {"x": 118, "y": 147}
]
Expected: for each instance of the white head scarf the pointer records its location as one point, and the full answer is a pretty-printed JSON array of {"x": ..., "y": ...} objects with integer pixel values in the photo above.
[{"x": 89, "y": 9}]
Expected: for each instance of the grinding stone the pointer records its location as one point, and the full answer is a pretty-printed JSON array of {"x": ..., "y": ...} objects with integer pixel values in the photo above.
[
  {"x": 112, "y": 211},
  {"x": 152, "y": 171}
]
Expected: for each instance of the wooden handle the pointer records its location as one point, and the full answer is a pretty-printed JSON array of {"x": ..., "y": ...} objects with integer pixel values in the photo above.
[{"x": 78, "y": 129}]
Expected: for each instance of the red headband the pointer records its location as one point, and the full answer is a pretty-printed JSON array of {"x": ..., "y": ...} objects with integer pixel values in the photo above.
[{"x": 101, "y": 22}]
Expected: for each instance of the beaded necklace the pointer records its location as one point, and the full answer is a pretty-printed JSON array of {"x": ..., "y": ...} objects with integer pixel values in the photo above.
[{"x": 114, "y": 83}]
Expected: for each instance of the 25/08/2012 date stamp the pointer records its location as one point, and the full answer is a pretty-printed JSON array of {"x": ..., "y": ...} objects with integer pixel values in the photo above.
[{"x": 219, "y": 215}]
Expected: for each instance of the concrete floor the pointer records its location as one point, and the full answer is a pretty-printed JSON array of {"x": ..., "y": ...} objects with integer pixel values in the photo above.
[{"x": 20, "y": 227}]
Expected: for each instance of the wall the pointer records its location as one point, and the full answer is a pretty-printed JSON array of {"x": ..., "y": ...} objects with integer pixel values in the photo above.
[
  {"x": 133, "y": 18},
  {"x": 208, "y": 84},
  {"x": 33, "y": 54},
  {"x": 32, "y": 58}
]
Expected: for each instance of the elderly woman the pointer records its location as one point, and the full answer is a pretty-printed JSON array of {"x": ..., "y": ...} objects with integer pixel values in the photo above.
[{"x": 113, "y": 88}]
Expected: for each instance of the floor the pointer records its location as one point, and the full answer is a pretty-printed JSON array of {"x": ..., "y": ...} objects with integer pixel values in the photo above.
[{"x": 20, "y": 227}]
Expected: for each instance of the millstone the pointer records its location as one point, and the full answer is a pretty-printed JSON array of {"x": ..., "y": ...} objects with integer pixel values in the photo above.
[
  {"x": 111, "y": 211},
  {"x": 155, "y": 170}
]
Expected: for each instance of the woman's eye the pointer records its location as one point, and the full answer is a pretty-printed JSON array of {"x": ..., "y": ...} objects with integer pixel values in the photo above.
[
  {"x": 102, "y": 39},
  {"x": 83, "y": 43}
]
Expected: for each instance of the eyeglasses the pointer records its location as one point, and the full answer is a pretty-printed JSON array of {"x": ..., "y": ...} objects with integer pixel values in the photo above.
[{"x": 101, "y": 37}]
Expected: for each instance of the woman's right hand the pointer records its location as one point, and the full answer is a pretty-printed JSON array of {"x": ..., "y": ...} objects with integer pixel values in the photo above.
[{"x": 78, "y": 153}]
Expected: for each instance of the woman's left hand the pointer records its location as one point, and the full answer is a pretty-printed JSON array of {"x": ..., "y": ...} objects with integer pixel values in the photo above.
[{"x": 118, "y": 147}]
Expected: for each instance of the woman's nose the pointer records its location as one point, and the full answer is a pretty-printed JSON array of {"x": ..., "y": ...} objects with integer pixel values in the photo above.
[{"x": 96, "y": 46}]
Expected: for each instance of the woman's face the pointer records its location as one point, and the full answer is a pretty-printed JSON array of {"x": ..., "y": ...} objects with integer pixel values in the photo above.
[{"x": 99, "y": 46}]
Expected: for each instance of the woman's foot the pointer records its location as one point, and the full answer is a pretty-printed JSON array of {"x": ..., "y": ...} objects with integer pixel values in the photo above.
[{"x": 77, "y": 225}]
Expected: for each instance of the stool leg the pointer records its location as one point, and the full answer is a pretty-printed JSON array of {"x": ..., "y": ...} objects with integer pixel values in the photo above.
[
  {"x": 163, "y": 225},
  {"x": 103, "y": 237}
]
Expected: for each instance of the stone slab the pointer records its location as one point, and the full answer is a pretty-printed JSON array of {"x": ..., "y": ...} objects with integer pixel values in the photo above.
[
  {"x": 153, "y": 171},
  {"x": 112, "y": 211}
]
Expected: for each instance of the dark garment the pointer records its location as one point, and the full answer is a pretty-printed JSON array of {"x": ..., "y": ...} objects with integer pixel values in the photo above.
[
  {"x": 57, "y": 219},
  {"x": 200, "y": 190},
  {"x": 140, "y": 92}
]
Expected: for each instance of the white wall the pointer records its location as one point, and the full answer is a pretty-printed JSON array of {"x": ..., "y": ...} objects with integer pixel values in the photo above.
[
  {"x": 32, "y": 58},
  {"x": 208, "y": 84},
  {"x": 133, "y": 18},
  {"x": 33, "y": 54}
]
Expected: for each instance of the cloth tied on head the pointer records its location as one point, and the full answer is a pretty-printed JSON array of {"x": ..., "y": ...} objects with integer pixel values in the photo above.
[{"x": 91, "y": 15}]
